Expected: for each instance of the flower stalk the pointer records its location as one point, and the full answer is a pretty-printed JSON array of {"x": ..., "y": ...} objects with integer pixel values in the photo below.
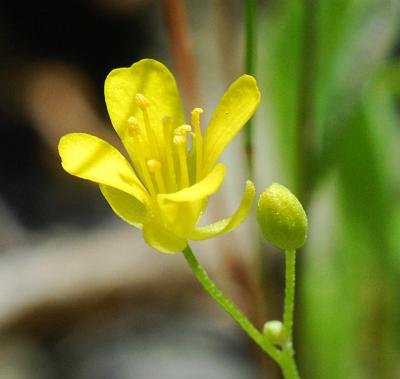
[
  {"x": 290, "y": 262},
  {"x": 285, "y": 356},
  {"x": 228, "y": 306},
  {"x": 288, "y": 363}
]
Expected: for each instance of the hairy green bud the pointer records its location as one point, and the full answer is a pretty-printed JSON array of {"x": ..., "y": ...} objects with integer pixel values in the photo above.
[
  {"x": 282, "y": 218},
  {"x": 275, "y": 332}
]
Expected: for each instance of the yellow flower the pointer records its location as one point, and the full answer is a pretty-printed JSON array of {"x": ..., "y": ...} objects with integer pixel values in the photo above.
[{"x": 175, "y": 169}]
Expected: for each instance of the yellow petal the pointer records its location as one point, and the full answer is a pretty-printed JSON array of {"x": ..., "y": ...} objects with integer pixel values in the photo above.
[
  {"x": 89, "y": 157},
  {"x": 181, "y": 210},
  {"x": 206, "y": 187},
  {"x": 125, "y": 206},
  {"x": 228, "y": 224},
  {"x": 152, "y": 79},
  {"x": 161, "y": 239},
  {"x": 235, "y": 108}
]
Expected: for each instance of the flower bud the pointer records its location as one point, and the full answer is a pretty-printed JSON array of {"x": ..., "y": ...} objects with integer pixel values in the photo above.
[
  {"x": 275, "y": 332},
  {"x": 282, "y": 218}
]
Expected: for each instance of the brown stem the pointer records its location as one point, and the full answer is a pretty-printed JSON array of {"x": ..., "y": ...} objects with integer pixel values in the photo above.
[{"x": 182, "y": 50}]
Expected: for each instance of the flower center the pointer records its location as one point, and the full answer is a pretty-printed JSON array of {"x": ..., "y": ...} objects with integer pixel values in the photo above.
[{"x": 163, "y": 161}]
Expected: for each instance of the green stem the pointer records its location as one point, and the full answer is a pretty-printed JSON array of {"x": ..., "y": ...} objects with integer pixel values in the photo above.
[
  {"x": 290, "y": 262},
  {"x": 251, "y": 57},
  {"x": 288, "y": 363},
  {"x": 229, "y": 307}
]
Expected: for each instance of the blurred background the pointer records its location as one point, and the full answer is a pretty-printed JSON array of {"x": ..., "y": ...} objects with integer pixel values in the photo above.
[{"x": 82, "y": 296}]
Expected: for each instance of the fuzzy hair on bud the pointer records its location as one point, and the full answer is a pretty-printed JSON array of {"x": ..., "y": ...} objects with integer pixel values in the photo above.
[{"x": 282, "y": 218}]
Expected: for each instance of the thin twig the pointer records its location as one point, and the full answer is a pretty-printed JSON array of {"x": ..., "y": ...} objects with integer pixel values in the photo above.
[
  {"x": 182, "y": 50},
  {"x": 250, "y": 61}
]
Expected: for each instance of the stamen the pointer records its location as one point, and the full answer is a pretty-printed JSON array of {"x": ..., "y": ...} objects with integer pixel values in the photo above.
[
  {"x": 180, "y": 142},
  {"x": 143, "y": 103},
  {"x": 171, "y": 175},
  {"x": 198, "y": 141},
  {"x": 183, "y": 129},
  {"x": 133, "y": 126},
  {"x": 179, "y": 139},
  {"x": 133, "y": 121},
  {"x": 146, "y": 176},
  {"x": 134, "y": 130},
  {"x": 154, "y": 167}
]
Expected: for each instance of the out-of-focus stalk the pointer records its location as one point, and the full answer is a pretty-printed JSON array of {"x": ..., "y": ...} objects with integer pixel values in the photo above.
[
  {"x": 305, "y": 144},
  {"x": 182, "y": 50},
  {"x": 250, "y": 62}
]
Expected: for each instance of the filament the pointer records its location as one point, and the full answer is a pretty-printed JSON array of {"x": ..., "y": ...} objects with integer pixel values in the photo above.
[
  {"x": 198, "y": 141},
  {"x": 171, "y": 175},
  {"x": 180, "y": 142}
]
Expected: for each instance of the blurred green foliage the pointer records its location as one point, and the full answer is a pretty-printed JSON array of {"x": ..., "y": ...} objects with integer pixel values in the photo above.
[{"x": 333, "y": 84}]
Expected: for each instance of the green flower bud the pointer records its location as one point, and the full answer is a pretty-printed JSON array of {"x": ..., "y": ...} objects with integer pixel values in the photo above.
[
  {"x": 275, "y": 332},
  {"x": 282, "y": 218}
]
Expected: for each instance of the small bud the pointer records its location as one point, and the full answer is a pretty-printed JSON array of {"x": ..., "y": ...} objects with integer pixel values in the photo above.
[
  {"x": 282, "y": 218},
  {"x": 275, "y": 332}
]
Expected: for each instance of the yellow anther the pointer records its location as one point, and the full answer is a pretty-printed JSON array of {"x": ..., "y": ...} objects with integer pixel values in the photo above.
[
  {"x": 142, "y": 101},
  {"x": 133, "y": 121},
  {"x": 179, "y": 139},
  {"x": 183, "y": 129},
  {"x": 153, "y": 165},
  {"x": 197, "y": 111},
  {"x": 133, "y": 126}
]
